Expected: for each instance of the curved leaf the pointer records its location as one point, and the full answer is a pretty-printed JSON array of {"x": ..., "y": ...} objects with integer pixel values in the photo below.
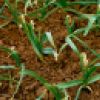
[
  {"x": 72, "y": 45},
  {"x": 14, "y": 54},
  {"x": 69, "y": 84},
  {"x": 90, "y": 24},
  {"x": 94, "y": 79},
  {"x": 51, "y": 88},
  {"x": 50, "y": 38}
]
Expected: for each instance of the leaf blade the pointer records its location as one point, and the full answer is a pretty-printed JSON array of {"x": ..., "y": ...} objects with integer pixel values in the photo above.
[{"x": 69, "y": 84}]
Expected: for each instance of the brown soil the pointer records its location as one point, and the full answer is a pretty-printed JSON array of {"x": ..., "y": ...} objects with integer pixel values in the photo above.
[{"x": 65, "y": 69}]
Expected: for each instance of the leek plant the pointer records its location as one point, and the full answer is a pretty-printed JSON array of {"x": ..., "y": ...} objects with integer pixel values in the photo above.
[
  {"x": 87, "y": 68},
  {"x": 87, "y": 78},
  {"x": 14, "y": 55}
]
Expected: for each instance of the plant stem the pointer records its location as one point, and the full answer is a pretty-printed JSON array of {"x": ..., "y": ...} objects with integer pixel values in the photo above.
[
  {"x": 19, "y": 82},
  {"x": 78, "y": 92}
]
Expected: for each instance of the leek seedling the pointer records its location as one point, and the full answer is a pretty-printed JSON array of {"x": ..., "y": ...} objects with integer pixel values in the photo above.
[
  {"x": 72, "y": 34},
  {"x": 38, "y": 45},
  {"x": 90, "y": 17},
  {"x": 58, "y": 4},
  {"x": 87, "y": 69},
  {"x": 52, "y": 50},
  {"x": 87, "y": 78},
  {"x": 38, "y": 42},
  {"x": 14, "y": 54},
  {"x": 29, "y": 30},
  {"x": 48, "y": 86}
]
